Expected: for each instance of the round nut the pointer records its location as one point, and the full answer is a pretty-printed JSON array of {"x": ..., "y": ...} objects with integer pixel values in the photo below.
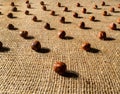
[
  {"x": 86, "y": 46},
  {"x": 36, "y": 45},
  {"x": 59, "y": 4},
  {"x": 10, "y": 26},
  {"x": 34, "y": 18},
  {"x": 47, "y": 26},
  {"x": 52, "y": 13},
  {"x": 104, "y": 13},
  {"x": 24, "y": 34},
  {"x": 28, "y": 5},
  {"x": 92, "y": 18},
  {"x": 95, "y": 7},
  {"x": 118, "y": 20},
  {"x": 27, "y": 12},
  {"x": 61, "y": 34},
  {"x": 12, "y": 4},
  {"x": 60, "y": 68},
  {"x": 103, "y": 3},
  {"x": 78, "y": 5},
  {"x": 62, "y": 19},
  {"x": 112, "y": 9},
  {"x": 113, "y": 26},
  {"x": 44, "y": 8},
  {"x": 1, "y": 44},
  {"x": 14, "y": 9},
  {"x": 42, "y": 3},
  {"x": 82, "y": 25},
  {"x": 102, "y": 35},
  {"x": 10, "y": 15},
  {"x": 84, "y": 10},
  {"x": 75, "y": 15}
]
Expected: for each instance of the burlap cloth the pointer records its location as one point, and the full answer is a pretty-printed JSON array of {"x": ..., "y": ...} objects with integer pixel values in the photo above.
[{"x": 24, "y": 71}]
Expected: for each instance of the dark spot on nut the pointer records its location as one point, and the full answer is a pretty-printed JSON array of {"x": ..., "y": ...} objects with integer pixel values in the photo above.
[
  {"x": 10, "y": 15},
  {"x": 34, "y": 18},
  {"x": 112, "y": 9},
  {"x": 102, "y": 35},
  {"x": 66, "y": 9},
  {"x": 62, "y": 19},
  {"x": 75, "y": 15},
  {"x": 82, "y": 25},
  {"x": 1, "y": 44},
  {"x": 59, "y": 4},
  {"x": 47, "y": 26},
  {"x": 14, "y": 9},
  {"x": 92, "y": 18},
  {"x": 61, "y": 34},
  {"x": 84, "y": 10},
  {"x": 103, "y": 3},
  {"x": 24, "y": 34},
  {"x": 52, "y": 13},
  {"x": 113, "y": 26},
  {"x": 36, "y": 46},
  {"x": 28, "y": 5},
  {"x": 44, "y": 8},
  {"x": 104, "y": 13},
  {"x": 27, "y": 12},
  {"x": 86, "y": 46},
  {"x": 95, "y": 7},
  {"x": 10, "y": 26},
  {"x": 27, "y": 2},
  {"x": 42, "y": 3},
  {"x": 12, "y": 4},
  {"x": 78, "y": 5}
]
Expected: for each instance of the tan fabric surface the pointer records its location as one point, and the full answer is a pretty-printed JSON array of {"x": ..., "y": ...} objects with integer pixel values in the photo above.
[{"x": 24, "y": 71}]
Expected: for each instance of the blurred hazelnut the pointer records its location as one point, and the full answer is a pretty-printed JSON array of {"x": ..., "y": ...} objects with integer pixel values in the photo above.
[
  {"x": 44, "y": 8},
  {"x": 75, "y": 15},
  {"x": 61, "y": 34},
  {"x": 24, "y": 34},
  {"x": 10, "y": 15},
  {"x": 27, "y": 12},
  {"x": 92, "y": 18},
  {"x": 59, "y": 4},
  {"x": 118, "y": 5},
  {"x": 10, "y": 26},
  {"x": 118, "y": 20},
  {"x": 104, "y": 13},
  {"x": 36, "y": 46},
  {"x": 103, "y": 3},
  {"x": 95, "y": 7},
  {"x": 14, "y": 9},
  {"x": 60, "y": 68},
  {"x": 112, "y": 9},
  {"x": 78, "y": 5},
  {"x": 12, "y": 4},
  {"x": 1, "y": 44},
  {"x": 82, "y": 25},
  {"x": 113, "y": 26},
  {"x": 42, "y": 3},
  {"x": 86, "y": 46},
  {"x": 52, "y": 13},
  {"x": 66, "y": 9},
  {"x": 27, "y": 2},
  {"x": 62, "y": 19},
  {"x": 28, "y": 5},
  {"x": 102, "y": 35},
  {"x": 47, "y": 26},
  {"x": 84, "y": 10},
  {"x": 34, "y": 18}
]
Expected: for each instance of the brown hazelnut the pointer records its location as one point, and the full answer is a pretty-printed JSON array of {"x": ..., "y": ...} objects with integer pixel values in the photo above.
[
  {"x": 42, "y": 3},
  {"x": 113, "y": 26},
  {"x": 118, "y": 20},
  {"x": 10, "y": 26},
  {"x": 14, "y": 9},
  {"x": 24, "y": 34},
  {"x": 103, "y": 3},
  {"x": 47, "y": 26},
  {"x": 82, "y": 25},
  {"x": 95, "y": 7},
  {"x": 112, "y": 9},
  {"x": 61, "y": 34},
  {"x": 27, "y": 12},
  {"x": 52, "y": 13},
  {"x": 62, "y": 19},
  {"x": 104, "y": 13},
  {"x": 12, "y": 4},
  {"x": 66, "y": 9},
  {"x": 102, "y": 35},
  {"x": 28, "y": 5},
  {"x": 84, "y": 10},
  {"x": 10, "y": 15},
  {"x": 86, "y": 46},
  {"x": 27, "y": 2},
  {"x": 60, "y": 68},
  {"x": 59, "y": 4},
  {"x": 78, "y": 5},
  {"x": 118, "y": 5},
  {"x": 36, "y": 46},
  {"x": 1, "y": 44},
  {"x": 44, "y": 8},
  {"x": 75, "y": 15},
  {"x": 92, "y": 18},
  {"x": 34, "y": 18}
]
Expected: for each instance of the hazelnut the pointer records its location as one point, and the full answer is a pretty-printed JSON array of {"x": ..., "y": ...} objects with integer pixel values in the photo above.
[
  {"x": 92, "y": 18},
  {"x": 1, "y": 44},
  {"x": 44, "y": 8},
  {"x": 47, "y": 26},
  {"x": 36, "y": 45},
  {"x": 10, "y": 26},
  {"x": 42, "y": 3},
  {"x": 95, "y": 7},
  {"x": 59, "y": 4},
  {"x": 60, "y": 68},
  {"x": 82, "y": 25},
  {"x": 118, "y": 5},
  {"x": 78, "y": 5},
  {"x": 113, "y": 26},
  {"x": 84, "y": 10},
  {"x": 75, "y": 15},
  {"x": 10, "y": 15},
  {"x": 86, "y": 46},
  {"x": 28, "y": 5},
  {"x": 104, "y": 13},
  {"x": 112, "y": 9},
  {"x": 103, "y": 3},
  {"x": 52, "y": 13},
  {"x": 27, "y": 2},
  {"x": 66, "y": 9},
  {"x": 27, "y": 12},
  {"x": 12, "y": 4},
  {"x": 61, "y": 34},
  {"x": 34, "y": 18},
  {"x": 102, "y": 35},
  {"x": 24, "y": 34},
  {"x": 62, "y": 20},
  {"x": 118, "y": 20},
  {"x": 14, "y": 9}
]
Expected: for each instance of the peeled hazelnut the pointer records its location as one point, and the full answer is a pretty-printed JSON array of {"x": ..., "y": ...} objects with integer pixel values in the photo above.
[
  {"x": 102, "y": 35},
  {"x": 86, "y": 46},
  {"x": 44, "y": 8},
  {"x": 66, "y": 9},
  {"x": 27, "y": 2},
  {"x": 118, "y": 5},
  {"x": 62, "y": 20},
  {"x": 92, "y": 18},
  {"x": 112, "y": 9},
  {"x": 27, "y": 12},
  {"x": 42, "y": 3},
  {"x": 113, "y": 26},
  {"x": 10, "y": 26},
  {"x": 82, "y": 25},
  {"x": 10, "y": 15},
  {"x": 95, "y": 7},
  {"x": 24, "y": 34},
  {"x": 28, "y": 5},
  {"x": 104, "y": 13},
  {"x": 14, "y": 9},
  {"x": 47, "y": 26},
  {"x": 59, "y": 4},
  {"x": 12, "y": 4},
  {"x": 78, "y": 5},
  {"x": 118, "y": 20},
  {"x": 1, "y": 44},
  {"x": 36, "y": 46},
  {"x": 103, "y": 3},
  {"x": 75, "y": 15},
  {"x": 60, "y": 68},
  {"x": 84, "y": 10},
  {"x": 34, "y": 18},
  {"x": 52, "y": 13},
  {"x": 61, "y": 34}
]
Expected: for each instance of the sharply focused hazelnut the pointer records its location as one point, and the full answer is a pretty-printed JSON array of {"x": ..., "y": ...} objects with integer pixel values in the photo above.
[
  {"x": 44, "y": 8},
  {"x": 82, "y": 25},
  {"x": 24, "y": 34},
  {"x": 84, "y": 10},
  {"x": 52, "y": 13},
  {"x": 42, "y": 3},
  {"x": 47, "y": 26},
  {"x": 12, "y": 4},
  {"x": 10, "y": 26},
  {"x": 59, "y": 4},
  {"x": 60, "y": 68},
  {"x": 61, "y": 34},
  {"x": 10, "y": 15},
  {"x": 103, "y": 3},
  {"x": 14, "y": 9},
  {"x": 28, "y": 5},
  {"x": 112, "y": 9},
  {"x": 78, "y": 5},
  {"x": 62, "y": 19},
  {"x": 113, "y": 26},
  {"x": 118, "y": 5},
  {"x": 95, "y": 7},
  {"x": 66, "y": 9},
  {"x": 36, "y": 46},
  {"x": 1, "y": 44},
  {"x": 102, "y": 35},
  {"x": 86, "y": 46},
  {"x": 104, "y": 13},
  {"x": 27, "y": 2},
  {"x": 75, "y": 15},
  {"x": 118, "y": 20},
  {"x": 92, "y": 18},
  {"x": 34, "y": 18},
  {"x": 27, "y": 12}
]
